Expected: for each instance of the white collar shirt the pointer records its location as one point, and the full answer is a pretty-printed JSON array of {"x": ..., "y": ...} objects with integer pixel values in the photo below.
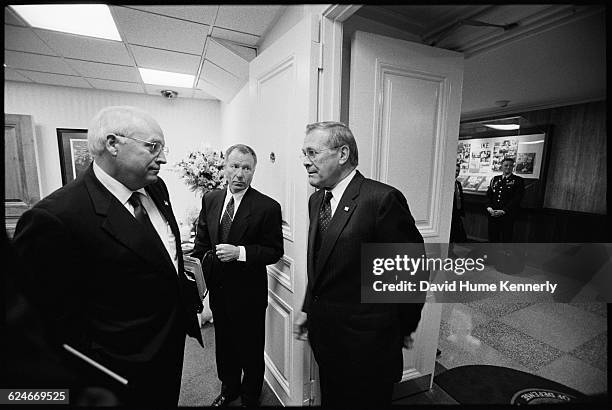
[
  {"x": 123, "y": 194},
  {"x": 339, "y": 189}
]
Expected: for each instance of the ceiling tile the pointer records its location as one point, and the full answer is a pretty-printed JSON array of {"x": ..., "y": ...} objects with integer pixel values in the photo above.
[
  {"x": 206, "y": 87},
  {"x": 166, "y": 60},
  {"x": 104, "y": 71},
  {"x": 218, "y": 76},
  {"x": 86, "y": 48},
  {"x": 199, "y": 14},
  {"x": 203, "y": 95},
  {"x": 13, "y": 75},
  {"x": 116, "y": 85},
  {"x": 156, "y": 90},
  {"x": 23, "y": 39},
  {"x": 151, "y": 30},
  {"x": 36, "y": 62},
  {"x": 10, "y": 17},
  {"x": 247, "y": 19},
  {"x": 227, "y": 59},
  {"x": 248, "y": 39},
  {"x": 247, "y": 53},
  {"x": 58, "y": 79}
]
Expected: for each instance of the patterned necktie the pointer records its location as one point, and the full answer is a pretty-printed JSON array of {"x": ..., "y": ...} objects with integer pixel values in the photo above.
[
  {"x": 140, "y": 212},
  {"x": 226, "y": 220},
  {"x": 325, "y": 213}
]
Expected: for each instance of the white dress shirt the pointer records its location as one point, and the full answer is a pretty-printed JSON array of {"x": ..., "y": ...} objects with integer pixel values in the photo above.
[
  {"x": 237, "y": 200},
  {"x": 339, "y": 189},
  {"x": 123, "y": 194}
]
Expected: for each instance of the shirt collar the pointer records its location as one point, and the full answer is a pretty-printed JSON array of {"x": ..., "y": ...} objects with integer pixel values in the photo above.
[
  {"x": 340, "y": 187},
  {"x": 120, "y": 191},
  {"x": 237, "y": 196}
]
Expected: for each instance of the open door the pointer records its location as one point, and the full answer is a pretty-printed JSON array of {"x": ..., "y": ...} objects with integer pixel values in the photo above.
[
  {"x": 404, "y": 109},
  {"x": 21, "y": 189},
  {"x": 283, "y": 96}
]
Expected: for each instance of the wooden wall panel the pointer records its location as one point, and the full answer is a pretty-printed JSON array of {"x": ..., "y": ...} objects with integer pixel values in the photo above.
[{"x": 577, "y": 176}]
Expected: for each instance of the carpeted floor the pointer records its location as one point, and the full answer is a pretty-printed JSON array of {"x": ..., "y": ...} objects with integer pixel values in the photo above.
[{"x": 200, "y": 385}]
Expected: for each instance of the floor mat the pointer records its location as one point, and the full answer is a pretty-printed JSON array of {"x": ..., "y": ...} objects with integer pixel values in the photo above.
[{"x": 481, "y": 384}]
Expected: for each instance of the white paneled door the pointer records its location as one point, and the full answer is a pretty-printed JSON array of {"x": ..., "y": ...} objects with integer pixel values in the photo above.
[
  {"x": 404, "y": 109},
  {"x": 283, "y": 97}
]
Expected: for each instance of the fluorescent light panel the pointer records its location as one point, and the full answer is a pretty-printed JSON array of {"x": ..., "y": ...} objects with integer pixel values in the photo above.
[
  {"x": 503, "y": 127},
  {"x": 93, "y": 20},
  {"x": 157, "y": 77},
  {"x": 532, "y": 142}
]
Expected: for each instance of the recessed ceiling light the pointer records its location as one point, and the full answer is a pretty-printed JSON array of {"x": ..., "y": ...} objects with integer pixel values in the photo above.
[
  {"x": 94, "y": 20},
  {"x": 157, "y": 77},
  {"x": 503, "y": 127}
]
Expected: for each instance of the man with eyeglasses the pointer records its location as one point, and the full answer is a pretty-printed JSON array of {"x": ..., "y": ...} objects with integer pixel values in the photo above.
[
  {"x": 103, "y": 262},
  {"x": 239, "y": 232},
  {"x": 358, "y": 347}
]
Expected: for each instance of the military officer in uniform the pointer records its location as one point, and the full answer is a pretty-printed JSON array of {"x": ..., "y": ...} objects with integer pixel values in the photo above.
[{"x": 504, "y": 197}]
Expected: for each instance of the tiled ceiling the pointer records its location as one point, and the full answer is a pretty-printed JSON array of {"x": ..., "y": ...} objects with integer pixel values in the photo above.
[{"x": 214, "y": 43}]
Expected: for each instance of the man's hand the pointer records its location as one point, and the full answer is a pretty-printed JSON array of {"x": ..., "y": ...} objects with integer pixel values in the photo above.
[
  {"x": 491, "y": 211},
  {"x": 408, "y": 342},
  {"x": 227, "y": 253},
  {"x": 300, "y": 329}
]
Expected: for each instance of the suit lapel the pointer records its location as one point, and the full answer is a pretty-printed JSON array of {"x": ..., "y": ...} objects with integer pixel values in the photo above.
[
  {"x": 314, "y": 225},
  {"x": 121, "y": 225},
  {"x": 343, "y": 213},
  {"x": 213, "y": 216}
]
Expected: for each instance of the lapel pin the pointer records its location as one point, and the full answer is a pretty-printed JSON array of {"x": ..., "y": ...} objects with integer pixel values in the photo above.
[
  {"x": 166, "y": 203},
  {"x": 346, "y": 209}
]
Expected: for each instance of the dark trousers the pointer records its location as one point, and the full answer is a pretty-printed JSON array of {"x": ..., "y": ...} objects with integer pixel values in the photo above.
[
  {"x": 457, "y": 233},
  {"x": 239, "y": 344},
  {"x": 501, "y": 229},
  {"x": 157, "y": 383},
  {"x": 353, "y": 392}
]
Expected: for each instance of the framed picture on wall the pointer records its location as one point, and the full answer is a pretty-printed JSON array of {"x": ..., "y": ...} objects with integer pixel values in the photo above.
[{"x": 73, "y": 152}]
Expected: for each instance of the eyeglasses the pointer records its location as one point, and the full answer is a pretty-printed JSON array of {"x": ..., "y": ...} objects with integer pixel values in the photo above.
[
  {"x": 155, "y": 148},
  {"x": 312, "y": 153}
]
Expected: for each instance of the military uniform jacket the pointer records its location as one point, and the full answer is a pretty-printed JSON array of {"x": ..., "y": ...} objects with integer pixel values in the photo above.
[{"x": 506, "y": 194}]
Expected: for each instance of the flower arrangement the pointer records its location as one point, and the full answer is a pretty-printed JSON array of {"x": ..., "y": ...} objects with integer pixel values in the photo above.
[{"x": 202, "y": 171}]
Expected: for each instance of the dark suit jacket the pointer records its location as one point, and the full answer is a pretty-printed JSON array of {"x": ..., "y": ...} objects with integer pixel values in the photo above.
[
  {"x": 506, "y": 194},
  {"x": 456, "y": 210},
  {"x": 377, "y": 213},
  {"x": 102, "y": 284},
  {"x": 257, "y": 226}
]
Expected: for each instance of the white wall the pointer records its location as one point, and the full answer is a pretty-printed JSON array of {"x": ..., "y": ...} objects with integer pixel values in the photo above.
[
  {"x": 236, "y": 120},
  {"x": 187, "y": 124}
]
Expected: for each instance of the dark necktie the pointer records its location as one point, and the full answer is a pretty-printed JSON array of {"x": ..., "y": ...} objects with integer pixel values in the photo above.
[
  {"x": 325, "y": 216},
  {"x": 140, "y": 213},
  {"x": 325, "y": 213},
  {"x": 226, "y": 220}
]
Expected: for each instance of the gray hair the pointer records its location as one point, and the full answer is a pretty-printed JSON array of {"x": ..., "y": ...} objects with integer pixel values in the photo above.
[
  {"x": 242, "y": 148},
  {"x": 123, "y": 120},
  {"x": 338, "y": 135}
]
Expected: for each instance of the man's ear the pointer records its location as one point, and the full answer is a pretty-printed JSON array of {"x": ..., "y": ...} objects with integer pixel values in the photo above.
[
  {"x": 344, "y": 154},
  {"x": 111, "y": 144}
]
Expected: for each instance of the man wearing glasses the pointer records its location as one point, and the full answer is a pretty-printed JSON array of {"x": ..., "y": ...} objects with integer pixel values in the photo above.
[
  {"x": 358, "y": 347},
  {"x": 103, "y": 262}
]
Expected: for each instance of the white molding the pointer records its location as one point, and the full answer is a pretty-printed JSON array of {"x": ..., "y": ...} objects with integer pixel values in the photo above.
[
  {"x": 286, "y": 312},
  {"x": 340, "y": 12},
  {"x": 287, "y": 205},
  {"x": 286, "y": 280},
  {"x": 430, "y": 226}
]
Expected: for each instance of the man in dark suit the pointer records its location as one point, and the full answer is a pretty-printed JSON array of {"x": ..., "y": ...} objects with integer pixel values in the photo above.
[
  {"x": 239, "y": 232},
  {"x": 457, "y": 233},
  {"x": 504, "y": 198},
  {"x": 103, "y": 261},
  {"x": 358, "y": 347}
]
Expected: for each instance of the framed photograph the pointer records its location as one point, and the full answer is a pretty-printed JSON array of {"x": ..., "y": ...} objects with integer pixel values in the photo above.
[{"x": 73, "y": 152}]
